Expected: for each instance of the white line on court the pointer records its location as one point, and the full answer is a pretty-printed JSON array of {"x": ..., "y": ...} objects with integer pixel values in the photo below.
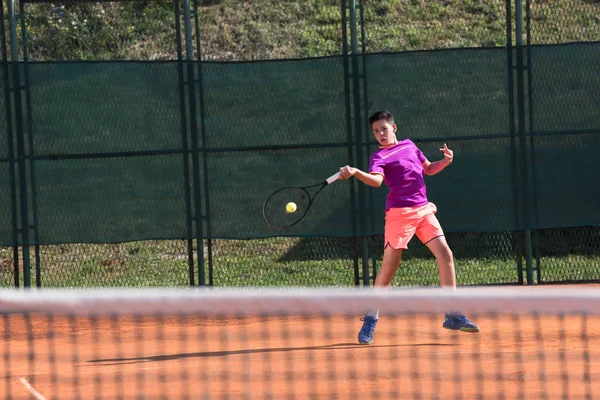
[{"x": 34, "y": 392}]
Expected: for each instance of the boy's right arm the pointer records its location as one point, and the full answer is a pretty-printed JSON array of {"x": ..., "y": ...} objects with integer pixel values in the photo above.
[{"x": 374, "y": 180}]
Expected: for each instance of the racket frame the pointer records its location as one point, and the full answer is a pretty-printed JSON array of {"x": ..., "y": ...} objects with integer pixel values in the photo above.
[{"x": 322, "y": 185}]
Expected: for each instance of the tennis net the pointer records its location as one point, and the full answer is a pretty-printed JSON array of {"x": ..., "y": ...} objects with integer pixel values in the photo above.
[{"x": 298, "y": 344}]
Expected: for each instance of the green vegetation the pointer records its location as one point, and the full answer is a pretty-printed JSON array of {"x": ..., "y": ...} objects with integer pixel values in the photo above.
[
  {"x": 290, "y": 262},
  {"x": 267, "y": 29}
]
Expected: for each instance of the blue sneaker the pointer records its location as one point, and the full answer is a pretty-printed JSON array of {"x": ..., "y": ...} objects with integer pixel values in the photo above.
[
  {"x": 365, "y": 336},
  {"x": 458, "y": 322}
]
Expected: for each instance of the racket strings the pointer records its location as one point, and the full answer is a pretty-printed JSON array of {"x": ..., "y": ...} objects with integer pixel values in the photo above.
[{"x": 275, "y": 211}]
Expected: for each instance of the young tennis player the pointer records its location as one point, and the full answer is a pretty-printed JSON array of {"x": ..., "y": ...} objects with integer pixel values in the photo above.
[{"x": 402, "y": 166}]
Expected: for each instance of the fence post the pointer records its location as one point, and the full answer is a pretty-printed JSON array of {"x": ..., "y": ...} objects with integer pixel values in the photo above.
[
  {"x": 31, "y": 153},
  {"x": 532, "y": 161},
  {"x": 523, "y": 138},
  {"x": 23, "y": 192},
  {"x": 361, "y": 6},
  {"x": 359, "y": 140},
  {"x": 349, "y": 137},
  {"x": 204, "y": 147},
  {"x": 10, "y": 153},
  {"x": 184, "y": 145},
  {"x": 198, "y": 217}
]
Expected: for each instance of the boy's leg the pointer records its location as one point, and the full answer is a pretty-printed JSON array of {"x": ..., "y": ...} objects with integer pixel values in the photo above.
[
  {"x": 389, "y": 267},
  {"x": 431, "y": 234},
  {"x": 445, "y": 260},
  {"x": 400, "y": 226},
  {"x": 440, "y": 249}
]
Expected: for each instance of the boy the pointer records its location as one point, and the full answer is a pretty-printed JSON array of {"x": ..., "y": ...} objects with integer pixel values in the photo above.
[{"x": 402, "y": 166}]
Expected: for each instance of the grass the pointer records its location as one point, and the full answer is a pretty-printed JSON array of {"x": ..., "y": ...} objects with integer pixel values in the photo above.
[{"x": 269, "y": 29}]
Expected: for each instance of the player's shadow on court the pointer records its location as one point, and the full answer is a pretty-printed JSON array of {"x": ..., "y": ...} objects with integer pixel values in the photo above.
[{"x": 207, "y": 354}]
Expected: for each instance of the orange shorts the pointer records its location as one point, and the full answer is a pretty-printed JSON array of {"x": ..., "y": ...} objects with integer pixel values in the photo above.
[{"x": 401, "y": 224}]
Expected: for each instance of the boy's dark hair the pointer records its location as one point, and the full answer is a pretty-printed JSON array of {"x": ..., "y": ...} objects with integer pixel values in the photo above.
[{"x": 381, "y": 115}]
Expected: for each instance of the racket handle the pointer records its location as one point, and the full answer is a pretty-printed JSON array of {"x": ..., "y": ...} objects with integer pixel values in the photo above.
[{"x": 333, "y": 178}]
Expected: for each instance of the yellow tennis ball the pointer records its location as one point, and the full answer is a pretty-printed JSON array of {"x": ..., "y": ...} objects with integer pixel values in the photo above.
[{"x": 291, "y": 207}]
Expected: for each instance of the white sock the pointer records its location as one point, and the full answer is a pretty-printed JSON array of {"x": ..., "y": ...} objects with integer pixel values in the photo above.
[{"x": 373, "y": 314}]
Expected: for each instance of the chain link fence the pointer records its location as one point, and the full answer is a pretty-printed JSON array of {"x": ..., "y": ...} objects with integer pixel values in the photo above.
[
  {"x": 266, "y": 33},
  {"x": 563, "y": 86}
]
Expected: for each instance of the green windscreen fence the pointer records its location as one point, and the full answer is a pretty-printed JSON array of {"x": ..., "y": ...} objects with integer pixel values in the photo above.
[
  {"x": 565, "y": 87},
  {"x": 3, "y": 118},
  {"x": 442, "y": 94},
  {"x": 5, "y": 207},
  {"x": 111, "y": 142},
  {"x": 273, "y": 124},
  {"x": 567, "y": 193},
  {"x": 81, "y": 108},
  {"x": 275, "y": 103},
  {"x": 109, "y": 154},
  {"x": 565, "y": 102},
  {"x": 458, "y": 97},
  {"x": 110, "y": 199}
]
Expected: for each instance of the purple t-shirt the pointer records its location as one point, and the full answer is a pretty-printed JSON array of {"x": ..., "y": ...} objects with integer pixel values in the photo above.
[{"x": 402, "y": 168}]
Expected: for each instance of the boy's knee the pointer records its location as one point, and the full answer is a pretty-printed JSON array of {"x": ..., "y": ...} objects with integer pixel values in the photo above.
[{"x": 446, "y": 255}]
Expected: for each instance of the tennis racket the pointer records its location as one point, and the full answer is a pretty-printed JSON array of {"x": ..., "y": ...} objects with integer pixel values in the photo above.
[{"x": 274, "y": 208}]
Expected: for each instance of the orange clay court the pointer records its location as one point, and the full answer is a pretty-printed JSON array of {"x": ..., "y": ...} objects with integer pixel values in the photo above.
[{"x": 296, "y": 357}]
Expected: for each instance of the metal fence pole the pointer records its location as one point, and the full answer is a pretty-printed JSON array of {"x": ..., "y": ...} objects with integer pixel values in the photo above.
[
  {"x": 358, "y": 135},
  {"x": 189, "y": 57},
  {"x": 368, "y": 133},
  {"x": 204, "y": 146},
  {"x": 23, "y": 192},
  {"x": 11, "y": 152},
  {"x": 31, "y": 153},
  {"x": 523, "y": 137},
  {"x": 349, "y": 138},
  {"x": 185, "y": 147},
  {"x": 514, "y": 153},
  {"x": 532, "y": 138}
]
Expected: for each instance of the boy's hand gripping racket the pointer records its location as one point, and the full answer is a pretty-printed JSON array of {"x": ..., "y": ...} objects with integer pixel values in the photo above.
[{"x": 277, "y": 209}]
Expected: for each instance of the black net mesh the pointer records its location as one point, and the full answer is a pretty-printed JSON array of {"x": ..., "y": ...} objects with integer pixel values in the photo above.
[
  {"x": 564, "y": 87},
  {"x": 562, "y": 200},
  {"x": 3, "y": 120},
  {"x": 7, "y": 265},
  {"x": 276, "y": 103},
  {"x": 82, "y": 108},
  {"x": 564, "y": 84},
  {"x": 437, "y": 95},
  {"x": 134, "y": 264},
  {"x": 568, "y": 254},
  {"x": 284, "y": 261},
  {"x": 5, "y": 178},
  {"x": 113, "y": 199},
  {"x": 6, "y": 222},
  {"x": 480, "y": 258}
]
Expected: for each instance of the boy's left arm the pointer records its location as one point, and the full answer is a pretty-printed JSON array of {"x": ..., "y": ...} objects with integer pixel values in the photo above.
[{"x": 432, "y": 168}]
